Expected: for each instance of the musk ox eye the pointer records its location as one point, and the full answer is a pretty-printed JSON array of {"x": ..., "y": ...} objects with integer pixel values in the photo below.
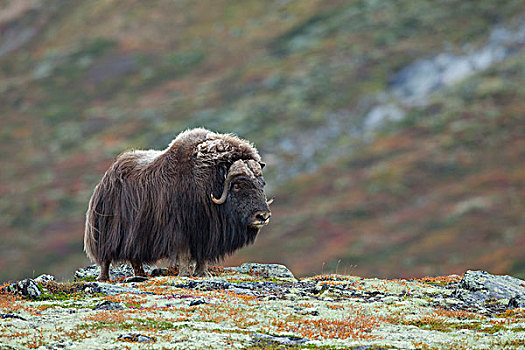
[{"x": 236, "y": 187}]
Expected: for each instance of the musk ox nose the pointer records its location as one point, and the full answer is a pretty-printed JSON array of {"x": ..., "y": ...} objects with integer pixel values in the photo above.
[{"x": 262, "y": 217}]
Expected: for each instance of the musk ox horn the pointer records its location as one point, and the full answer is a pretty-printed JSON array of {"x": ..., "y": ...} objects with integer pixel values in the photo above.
[
  {"x": 236, "y": 169},
  {"x": 224, "y": 194},
  {"x": 270, "y": 201}
]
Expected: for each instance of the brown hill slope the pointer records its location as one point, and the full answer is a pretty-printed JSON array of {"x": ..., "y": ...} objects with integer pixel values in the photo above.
[{"x": 439, "y": 191}]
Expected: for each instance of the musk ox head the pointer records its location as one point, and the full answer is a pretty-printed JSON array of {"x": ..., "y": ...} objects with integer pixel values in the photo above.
[{"x": 243, "y": 196}]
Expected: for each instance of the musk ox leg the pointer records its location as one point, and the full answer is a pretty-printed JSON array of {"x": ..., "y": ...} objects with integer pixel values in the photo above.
[
  {"x": 201, "y": 270},
  {"x": 137, "y": 268},
  {"x": 104, "y": 271},
  {"x": 185, "y": 264}
]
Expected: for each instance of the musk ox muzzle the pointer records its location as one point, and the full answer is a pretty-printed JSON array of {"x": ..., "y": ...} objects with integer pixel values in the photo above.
[{"x": 153, "y": 205}]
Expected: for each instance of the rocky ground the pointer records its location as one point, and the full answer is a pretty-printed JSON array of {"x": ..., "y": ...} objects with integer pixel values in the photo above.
[{"x": 262, "y": 306}]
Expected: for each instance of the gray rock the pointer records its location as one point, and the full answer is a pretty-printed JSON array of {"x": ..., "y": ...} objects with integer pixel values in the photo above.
[
  {"x": 87, "y": 272},
  {"x": 265, "y": 270},
  {"x": 381, "y": 113},
  {"x": 516, "y": 302},
  {"x": 481, "y": 287},
  {"x": 136, "y": 279},
  {"x": 197, "y": 302},
  {"x": 109, "y": 305},
  {"x": 498, "y": 287},
  {"x": 136, "y": 338},
  {"x": 44, "y": 278},
  {"x": 115, "y": 272},
  {"x": 243, "y": 291},
  {"x": 425, "y": 76},
  {"x": 12, "y": 316},
  {"x": 205, "y": 285},
  {"x": 264, "y": 339},
  {"x": 26, "y": 288},
  {"x": 110, "y": 289},
  {"x": 257, "y": 288}
]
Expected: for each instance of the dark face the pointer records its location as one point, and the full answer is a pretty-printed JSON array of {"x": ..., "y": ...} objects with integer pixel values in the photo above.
[{"x": 248, "y": 202}]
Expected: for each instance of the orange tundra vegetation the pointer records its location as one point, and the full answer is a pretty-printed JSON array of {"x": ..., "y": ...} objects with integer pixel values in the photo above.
[
  {"x": 358, "y": 326},
  {"x": 10, "y": 302}
]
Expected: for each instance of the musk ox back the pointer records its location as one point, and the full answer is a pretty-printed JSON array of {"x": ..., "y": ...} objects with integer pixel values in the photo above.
[{"x": 194, "y": 203}]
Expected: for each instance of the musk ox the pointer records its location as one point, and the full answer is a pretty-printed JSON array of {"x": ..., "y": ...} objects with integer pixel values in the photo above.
[{"x": 197, "y": 201}]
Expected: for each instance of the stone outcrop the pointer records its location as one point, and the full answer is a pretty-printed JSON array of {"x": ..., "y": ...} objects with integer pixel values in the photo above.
[{"x": 482, "y": 288}]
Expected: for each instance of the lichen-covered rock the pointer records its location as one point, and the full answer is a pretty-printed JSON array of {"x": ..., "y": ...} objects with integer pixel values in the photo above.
[
  {"x": 120, "y": 271},
  {"x": 516, "y": 302},
  {"x": 12, "y": 316},
  {"x": 135, "y": 279},
  {"x": 267, "y": 271},
  {"x": 26, "y": 288},
  {"x": 136, "y": 338},
  {"x": 483, "y": 288},
  {"x": 204, "y": 284},
  {"x": 87, "y": 273},
  {"x": 109, "y": 305},
  {"x": 110, "y": 289},
  {"x": 269, "y": 341},
  {"x": 44, "y": 278}
]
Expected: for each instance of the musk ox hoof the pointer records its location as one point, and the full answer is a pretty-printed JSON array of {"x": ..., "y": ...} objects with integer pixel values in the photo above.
[
  {"x": 185, "y": 270},
  {"x": 103, "y": 278},
  {"x": 205, "y": 273}
]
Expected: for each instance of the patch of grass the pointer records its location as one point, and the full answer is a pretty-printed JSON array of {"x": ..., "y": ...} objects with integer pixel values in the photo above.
[
  {"x": 63, "y": 305},
  {"x": 275, "y": 345},
  {"x": 514, "y": 314},
  {"x": 61, "y": 291},
  {"x": 122, "y": 320},
  {"x": 87, "y": 279},
  {"x": 448, "y": 321},
  {"x": 439, "y": 280},
  {"x": 424, "y": 346}
]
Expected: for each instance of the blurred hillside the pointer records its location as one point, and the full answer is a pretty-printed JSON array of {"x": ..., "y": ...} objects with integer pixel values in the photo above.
[{"x": 394, "y": 132}]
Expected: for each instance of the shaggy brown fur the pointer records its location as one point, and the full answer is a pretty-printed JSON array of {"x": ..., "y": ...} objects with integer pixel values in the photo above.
[{"x": 152, "y": 205}]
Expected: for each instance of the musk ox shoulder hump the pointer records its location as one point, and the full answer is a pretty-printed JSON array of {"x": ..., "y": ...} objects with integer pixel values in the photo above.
[
  {"x": 134, "y": 160},
  {"x": 144, "y": 158}
]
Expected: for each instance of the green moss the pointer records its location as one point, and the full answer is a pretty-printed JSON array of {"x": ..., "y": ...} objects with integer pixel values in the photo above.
[
  {"x": 130, "y": 324},
  {"x": 447, "y": 326},
  {"x": 64, "y": 304},
  {"x": 62, "y": 291},
  {"x": 269, "y": 344},
  {"x": 156, "y": 324},
  {"x": 87, "y": 279}
]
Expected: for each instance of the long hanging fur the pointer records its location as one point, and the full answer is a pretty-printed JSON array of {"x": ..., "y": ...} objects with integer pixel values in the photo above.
[{"x": 152, "y": 205}]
